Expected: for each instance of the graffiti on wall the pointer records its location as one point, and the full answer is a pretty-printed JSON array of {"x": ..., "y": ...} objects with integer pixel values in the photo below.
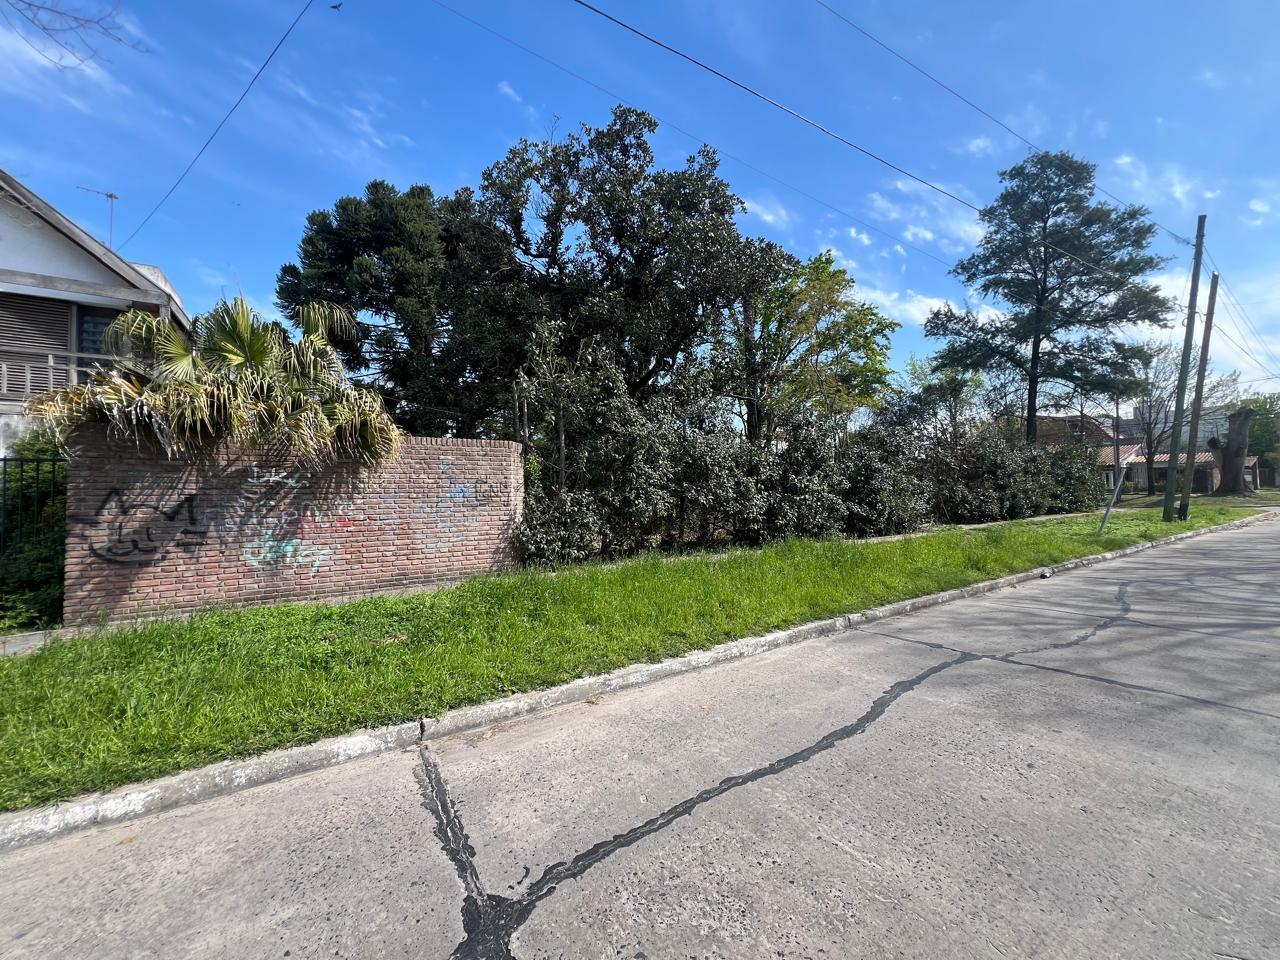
[
  {"x": 140, "y": 532},
  {"x": 454, "y": 508},
  {"x": 276, "y": 550},
  {"x": 272, "y": 516}
]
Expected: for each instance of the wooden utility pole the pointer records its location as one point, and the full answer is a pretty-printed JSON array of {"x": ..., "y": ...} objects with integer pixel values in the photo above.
[
  {"x": 1189, "y": 474},
  {"x": 1179, "y": 403},
  {"x": 1117, "y": 474}
]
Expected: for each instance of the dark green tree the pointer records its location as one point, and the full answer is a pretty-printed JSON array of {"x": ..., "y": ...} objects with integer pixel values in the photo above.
[
  {"x": 440, "y": 326},
  {"x": 611, "y": 248},
  {"x": 1068, "y": 273}
]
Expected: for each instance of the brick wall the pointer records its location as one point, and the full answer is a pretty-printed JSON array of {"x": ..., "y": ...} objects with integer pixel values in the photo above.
[{"x": 149, "y": 536}]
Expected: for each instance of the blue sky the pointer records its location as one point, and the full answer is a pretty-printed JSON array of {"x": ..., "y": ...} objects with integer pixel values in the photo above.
[{"x": 1170, "y": 102}]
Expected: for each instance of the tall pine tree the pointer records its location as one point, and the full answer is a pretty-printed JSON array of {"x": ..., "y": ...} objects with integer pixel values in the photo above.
[{"x": 1068, "y": 274}]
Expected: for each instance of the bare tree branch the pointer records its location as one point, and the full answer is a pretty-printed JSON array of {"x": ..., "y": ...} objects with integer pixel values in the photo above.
[{"x": 64, "y": 35}]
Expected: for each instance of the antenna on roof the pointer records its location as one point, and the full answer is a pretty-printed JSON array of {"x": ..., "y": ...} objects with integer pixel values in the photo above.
[{"x": 111, "y": 221}]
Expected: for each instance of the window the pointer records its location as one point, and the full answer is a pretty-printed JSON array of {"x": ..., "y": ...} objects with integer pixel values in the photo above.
[{"x": 91, "y": 325}]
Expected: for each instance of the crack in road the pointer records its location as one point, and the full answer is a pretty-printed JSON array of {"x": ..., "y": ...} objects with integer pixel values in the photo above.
[
  {"x": 489, "y": 921},
  {"x": 1106, "y": 623}
]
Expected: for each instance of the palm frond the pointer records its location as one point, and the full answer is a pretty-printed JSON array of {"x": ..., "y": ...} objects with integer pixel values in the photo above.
[{"x": 235, "y": 378}]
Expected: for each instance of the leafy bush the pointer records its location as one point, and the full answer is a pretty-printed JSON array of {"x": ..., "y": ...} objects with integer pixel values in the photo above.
[
  {"x": 1075, "y": 482},
  {"x": 557, "y": 529},
  {"x": 803, "y": 495},
  {"x": 882, "y": 487}
]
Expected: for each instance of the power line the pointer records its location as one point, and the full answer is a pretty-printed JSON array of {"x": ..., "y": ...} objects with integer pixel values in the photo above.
[
  {"x": 825, "y": 130},
  {"x": 1245, "y": 330},
  {"x": 906, "y": 244},
  {"x": 773, "y": 103},
  {"x": 1245, "y": 351},
  {"x": 800, "y": 191},
  {"x": 1238, "y": 308},
  {"x": 221, "y": 123},
  {"x": 965, "y": 100}
]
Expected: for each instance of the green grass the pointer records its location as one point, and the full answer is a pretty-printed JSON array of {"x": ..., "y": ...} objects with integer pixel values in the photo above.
[
  {"x": 1266, "y": 497},
  {"x": 96, "y": 712}
]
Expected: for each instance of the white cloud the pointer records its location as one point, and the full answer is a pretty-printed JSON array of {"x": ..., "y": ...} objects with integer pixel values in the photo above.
[
  {"x": 1256, "y": 291},
  {"x": 930, "y": 216},
  {"x": 1252, "y": 221},
  {"x": 770, "y": 211},
  {"x": 884, "y": 208},
  {"x": 510, "y": 92},
  {"x": 208, "y": 275},
  {"x": 289, "y": 83},
  {"x": 29, "y": 72},
  {"x": 1211, "y": 194},
  {"x": 908, "y": 308},
  {"x": 1258, "y": 205},
  {"x": 1151, "y": 187},
  {"x": 862, "y": 238},
  {"x": 979, "y": 147},
  {"x": 362, "y": 123},
  {"x": 1212, "y": 79}
]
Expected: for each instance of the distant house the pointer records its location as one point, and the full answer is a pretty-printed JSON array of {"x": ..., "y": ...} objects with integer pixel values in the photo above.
[
  {"x": 1207, "y": 472},
  {"x": 1091, "y": 432},
  {"x": 1074, "y": 428},
  {"x": 59, "y": 288}
]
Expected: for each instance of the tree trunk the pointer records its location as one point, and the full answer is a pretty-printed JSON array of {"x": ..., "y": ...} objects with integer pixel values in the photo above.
[
  {"x": 751, "y": 381},
  {"x": 564, "y": 475},
  {"x": 1151, "y": 472},
  {"x": 1234, "y": 452},
  {"x": 1033, "y": 389}
]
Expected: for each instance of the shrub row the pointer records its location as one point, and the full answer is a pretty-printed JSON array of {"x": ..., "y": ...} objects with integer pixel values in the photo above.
[{"x": 660, "y": 483}]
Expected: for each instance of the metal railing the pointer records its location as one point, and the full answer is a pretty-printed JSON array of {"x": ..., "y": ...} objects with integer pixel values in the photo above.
[
  {"x": 29, "y": 487},
  {"x": 24, "y": 372}
]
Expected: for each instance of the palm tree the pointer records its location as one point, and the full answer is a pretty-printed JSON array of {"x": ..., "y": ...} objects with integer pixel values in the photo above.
[{"x": 234, "y": 377}]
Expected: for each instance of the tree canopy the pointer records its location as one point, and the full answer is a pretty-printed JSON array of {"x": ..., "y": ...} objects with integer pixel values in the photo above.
[
  {"x": 1069, "y": 275},
  {"x": 668, "y": 376}
]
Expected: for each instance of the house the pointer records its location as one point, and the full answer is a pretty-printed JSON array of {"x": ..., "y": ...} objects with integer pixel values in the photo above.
[
  {"x": 1207, "y": 473},
  {"x": 1091, "y": 432},
  {"x": 1131, "y": 464},
  {"x": 59, "y": 289},
  {"x": 1075, "y": 428}
]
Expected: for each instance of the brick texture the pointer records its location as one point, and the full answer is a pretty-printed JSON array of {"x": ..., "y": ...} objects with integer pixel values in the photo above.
[{"x": 148, "y": 536}]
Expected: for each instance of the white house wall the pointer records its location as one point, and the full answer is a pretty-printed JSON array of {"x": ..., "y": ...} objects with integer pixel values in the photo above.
[{"x": 30, "y": 245}]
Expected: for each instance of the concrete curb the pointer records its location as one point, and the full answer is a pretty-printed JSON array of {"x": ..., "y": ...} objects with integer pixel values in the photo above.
[{"x": 24, "y": 827}]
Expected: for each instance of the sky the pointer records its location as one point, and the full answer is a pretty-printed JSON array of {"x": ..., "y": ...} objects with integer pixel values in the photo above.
[{"x": 1170, "y": 102}]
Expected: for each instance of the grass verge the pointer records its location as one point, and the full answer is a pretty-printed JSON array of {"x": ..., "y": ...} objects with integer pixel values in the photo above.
[
  {"x": 132, "y": 704},
  {"x": 1266, "y": 497}
]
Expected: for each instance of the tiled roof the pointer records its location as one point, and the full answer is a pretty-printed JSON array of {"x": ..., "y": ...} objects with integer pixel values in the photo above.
[
  {"x": 1068, "y": 429},
  {"x": 1203, "y": 458},
  {"x": 1106, "y": 455}
]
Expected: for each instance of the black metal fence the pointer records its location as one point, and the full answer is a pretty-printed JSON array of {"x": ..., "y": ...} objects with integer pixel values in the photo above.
[{"x": 31, "y": 488}]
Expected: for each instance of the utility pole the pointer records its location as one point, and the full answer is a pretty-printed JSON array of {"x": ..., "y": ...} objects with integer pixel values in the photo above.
[
  {"x": 1117, "y": 475},
  {"x": 1179, "y": 403},
  {"x": 1189, "y": 474},
  {"x": 111, "y": 214}
]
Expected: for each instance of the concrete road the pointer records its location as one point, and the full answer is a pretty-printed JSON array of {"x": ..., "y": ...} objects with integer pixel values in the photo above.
[{"x": 1082, "y": 767}]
